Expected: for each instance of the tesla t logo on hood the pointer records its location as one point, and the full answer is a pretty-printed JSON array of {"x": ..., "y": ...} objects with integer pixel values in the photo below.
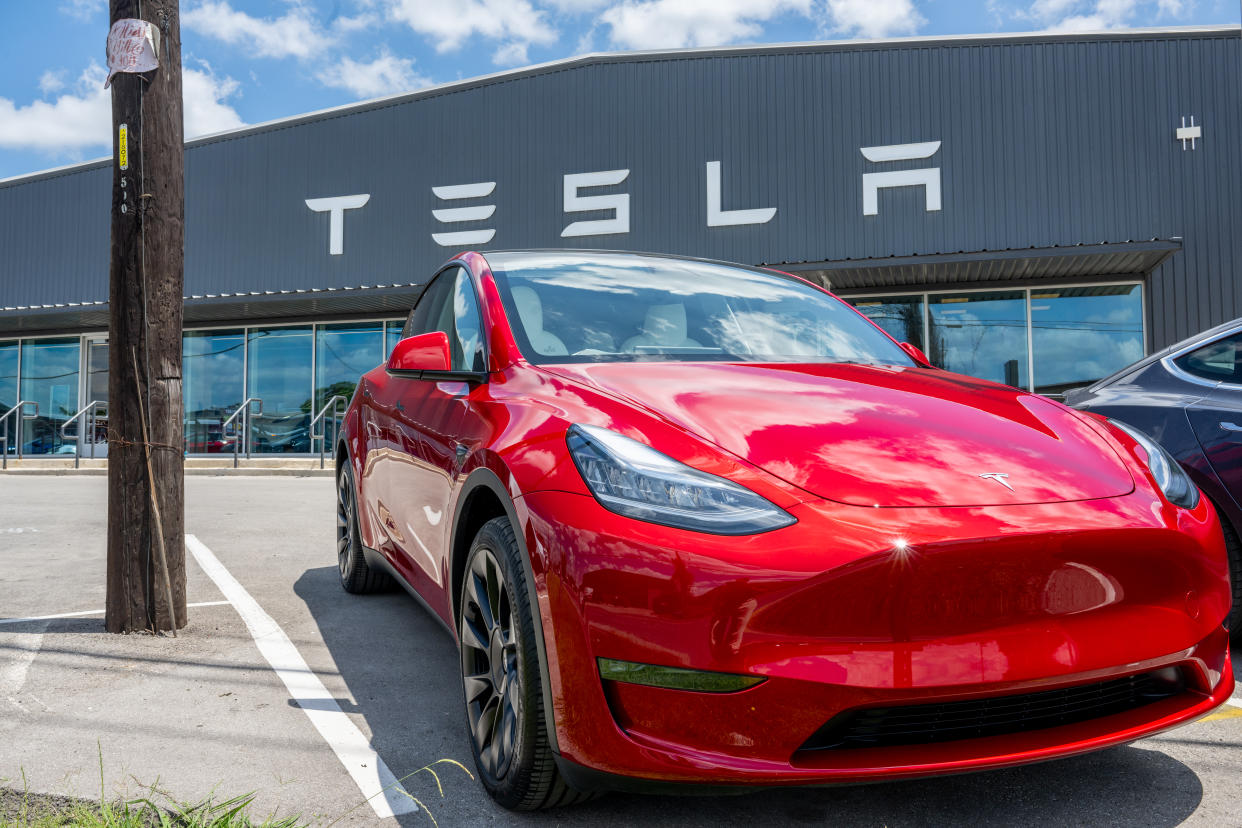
[{"x": 999, "y": 477}]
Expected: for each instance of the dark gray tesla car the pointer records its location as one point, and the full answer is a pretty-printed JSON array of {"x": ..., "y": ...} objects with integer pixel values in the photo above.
[{"x": 1188, "y": 397}]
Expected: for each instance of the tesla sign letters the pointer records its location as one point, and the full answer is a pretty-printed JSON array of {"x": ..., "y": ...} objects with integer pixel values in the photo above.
[{"x": 580, "y": 195}]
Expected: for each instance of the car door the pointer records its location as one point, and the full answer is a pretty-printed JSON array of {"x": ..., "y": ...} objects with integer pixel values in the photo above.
[
  {"x": 1217, "y": 417},
  {"x": 419, "y": 418}
]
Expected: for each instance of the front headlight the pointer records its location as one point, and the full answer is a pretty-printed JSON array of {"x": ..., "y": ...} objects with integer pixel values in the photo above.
[
  {"x": 637, "y": 481},
  {"x": 1170, "y": 476}
]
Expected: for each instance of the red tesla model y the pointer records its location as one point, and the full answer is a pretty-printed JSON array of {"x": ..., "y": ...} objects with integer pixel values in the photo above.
[{"x": 705, "y": 524}]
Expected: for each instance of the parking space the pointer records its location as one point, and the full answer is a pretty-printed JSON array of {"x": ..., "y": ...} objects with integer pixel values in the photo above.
[{"x": 206, "y": 711}]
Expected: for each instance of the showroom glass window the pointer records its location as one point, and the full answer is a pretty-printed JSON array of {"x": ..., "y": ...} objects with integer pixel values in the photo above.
[
  {"x": 213, "y": 373},
  {"x": 980, "y": 334},
  {"x": 392, "y": 335},
  {"x": 49, "y": 377},
  {"x": 9, "y": 353},
  {"x": 1083, "y": 334},
  {"x": 1074, "y": 335},
  {"x": 343, "y": 353},
  {"x": 278, "y": 369},
  {"x": 900, "y": 316}
]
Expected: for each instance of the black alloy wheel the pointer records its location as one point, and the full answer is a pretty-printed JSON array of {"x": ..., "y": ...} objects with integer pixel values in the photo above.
[
  {"x": 490, "y": 664},
  {"x": 502, "y": 679},
  {"x": 356, "y": 575}
]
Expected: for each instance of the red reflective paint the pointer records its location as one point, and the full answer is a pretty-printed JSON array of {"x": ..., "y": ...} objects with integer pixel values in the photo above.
[
  {"x": 425, "y": 352},
  {"x": 917, "y": 572}
]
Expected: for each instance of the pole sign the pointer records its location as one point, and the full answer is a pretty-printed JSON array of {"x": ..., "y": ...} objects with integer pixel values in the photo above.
[
  {"x": 122, "y": 146},
  {"x": 133, "y": 46}
]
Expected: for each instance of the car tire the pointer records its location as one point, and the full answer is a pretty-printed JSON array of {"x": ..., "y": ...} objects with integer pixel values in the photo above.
[
  {"x": 1233, "y": 621},
  {"x": 357, "y": 576},
  {"x": 502, "y": 682}
]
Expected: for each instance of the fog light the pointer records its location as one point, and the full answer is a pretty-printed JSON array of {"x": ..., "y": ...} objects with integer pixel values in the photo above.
[{"x": 674, "y": 678}]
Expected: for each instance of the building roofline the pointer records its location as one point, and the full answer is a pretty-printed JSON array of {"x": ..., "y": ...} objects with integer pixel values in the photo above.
[{"x": 604, "y": 58}]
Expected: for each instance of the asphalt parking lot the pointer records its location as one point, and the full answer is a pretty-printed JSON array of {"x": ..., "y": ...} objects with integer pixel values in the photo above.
[{"x": 206, "y": 711}]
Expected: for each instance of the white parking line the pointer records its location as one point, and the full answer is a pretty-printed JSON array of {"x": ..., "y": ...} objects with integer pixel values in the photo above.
[
  {"x": 13, "y": 672},
  {"x": 377, "y": 783},
  {"x": 92, "y": 612}
]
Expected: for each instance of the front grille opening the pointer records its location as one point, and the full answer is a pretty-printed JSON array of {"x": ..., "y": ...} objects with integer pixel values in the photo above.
[{"x": 923, "y": 724}]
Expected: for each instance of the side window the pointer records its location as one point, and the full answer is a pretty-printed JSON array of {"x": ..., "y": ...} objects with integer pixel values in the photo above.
[
  {"x": 427, "y": 307},
  {"x": 449, "y": 304},
  {"x": 467, "y": 334},
  {"x": 1221, "y": 361}
]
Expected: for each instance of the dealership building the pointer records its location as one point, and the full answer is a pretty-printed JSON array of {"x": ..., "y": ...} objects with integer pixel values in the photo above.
[{"x": 1035, "y": 209}]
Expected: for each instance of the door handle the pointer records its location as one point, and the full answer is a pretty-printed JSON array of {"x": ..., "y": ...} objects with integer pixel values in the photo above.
[{"x": 1231, "y": 427}]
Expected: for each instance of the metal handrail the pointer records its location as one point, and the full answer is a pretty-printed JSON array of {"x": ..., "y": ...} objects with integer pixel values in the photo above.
[
  {"x": 242, "y": 411},
  {"x": 93, "y": 410},
  {"x": 4, "y": 435},
  {"x": 334, "y": 405}
]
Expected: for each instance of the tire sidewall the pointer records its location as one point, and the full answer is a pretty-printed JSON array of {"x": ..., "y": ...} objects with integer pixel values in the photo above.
[
  {"x": 349, "y": 575},
  {"x": 511, "y": 789}
]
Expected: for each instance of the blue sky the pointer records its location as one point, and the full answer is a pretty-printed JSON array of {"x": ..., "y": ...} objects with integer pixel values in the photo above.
[{"x": 249, "y": 61}]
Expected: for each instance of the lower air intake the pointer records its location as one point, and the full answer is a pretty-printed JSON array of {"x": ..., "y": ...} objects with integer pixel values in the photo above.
[{"x": 994, "y": 716}]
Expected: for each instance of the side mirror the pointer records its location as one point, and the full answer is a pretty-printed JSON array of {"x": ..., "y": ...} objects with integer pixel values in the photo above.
[
  {"x": 916, "y": 354},
  {"x": 425, "y": 352}
]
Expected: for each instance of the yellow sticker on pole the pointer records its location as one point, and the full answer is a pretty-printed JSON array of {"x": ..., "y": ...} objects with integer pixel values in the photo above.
[{"x": 123, "y": 146}]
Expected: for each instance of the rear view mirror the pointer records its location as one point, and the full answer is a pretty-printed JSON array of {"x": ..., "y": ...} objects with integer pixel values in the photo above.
[
  {"x": 916, "y": 353},
  {"x": 425, "y": 352}
]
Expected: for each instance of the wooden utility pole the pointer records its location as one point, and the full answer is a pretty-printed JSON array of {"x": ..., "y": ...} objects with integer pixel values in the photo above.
[{"x": 146, "y": 498}]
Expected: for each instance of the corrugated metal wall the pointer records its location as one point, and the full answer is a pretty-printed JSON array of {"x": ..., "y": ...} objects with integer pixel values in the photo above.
[{"x": 1045, "y": 141}]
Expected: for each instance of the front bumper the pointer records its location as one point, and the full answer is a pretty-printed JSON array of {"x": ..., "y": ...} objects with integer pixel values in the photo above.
[{"x": 855, "y": 608}]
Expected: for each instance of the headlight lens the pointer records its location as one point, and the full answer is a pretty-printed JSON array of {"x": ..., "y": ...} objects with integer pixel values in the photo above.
[
  {"x": 637, "y": 481},
  {"x": 1170, "y": 477}
]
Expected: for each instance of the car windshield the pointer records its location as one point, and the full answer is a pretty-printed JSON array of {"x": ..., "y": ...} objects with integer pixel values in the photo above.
[{"x": 631, "y": 308}]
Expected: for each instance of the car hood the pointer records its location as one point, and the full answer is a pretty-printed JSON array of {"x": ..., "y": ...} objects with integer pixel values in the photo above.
[{"x": 877, "y": 436}]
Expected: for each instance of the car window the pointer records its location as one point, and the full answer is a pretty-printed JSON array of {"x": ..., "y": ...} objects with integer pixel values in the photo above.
[
  {"x": 420, "y": 319},
  {"x": 1220, "y": 361},
  {"x": 632, "y": 308},
  {"x": 450, "y": 305}
]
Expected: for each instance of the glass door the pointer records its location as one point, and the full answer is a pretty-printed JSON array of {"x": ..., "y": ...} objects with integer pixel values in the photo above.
[
  {"x": 93, "y": 426},
  {"x": 49, "y": 377},
  {"x": 278, "y": 372}
]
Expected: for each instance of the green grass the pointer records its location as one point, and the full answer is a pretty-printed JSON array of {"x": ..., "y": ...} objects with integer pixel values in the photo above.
[
  {"x": 23, "y": 809},
  {"x": 33, "y": 811},
  {"x": 26, "y": 810}
]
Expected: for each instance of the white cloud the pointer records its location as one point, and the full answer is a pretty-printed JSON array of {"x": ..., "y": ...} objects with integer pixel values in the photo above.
[
  {"x": 71, "y": 123},
  {"x": 875, "y": 18},
  {"x": 516, "y": 24},
  {"x": 511, "y": 54},
  {"x": 1094, "y": 15},
  {"x": 294, "y": 34},
  {"x": 386, "y": 75},
  {"x": 81, "y": 120},
  {"x": 1051, "y": 9},
  {"x": 204, "y": 108},
  {"x": 52, "y": 81},
  {"x": 664, "y": 24},
  {"x": 577, "y": 6},
  {"x": 83, "y": 9}
]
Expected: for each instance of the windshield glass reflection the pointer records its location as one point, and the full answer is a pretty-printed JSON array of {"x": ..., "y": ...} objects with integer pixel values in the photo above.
[{"x": 626, "y": 308}]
